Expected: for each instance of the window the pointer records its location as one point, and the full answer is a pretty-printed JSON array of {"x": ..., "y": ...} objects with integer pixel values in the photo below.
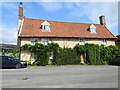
[
  {"x": 44, "y": 41},
  {"x": 45, "y": 26},
  {"x": 82, "y": 41},
  {"x": 93, "y": 29},
  {"x": 33, "y": 41},
  {"x": 104, "y": 42}
]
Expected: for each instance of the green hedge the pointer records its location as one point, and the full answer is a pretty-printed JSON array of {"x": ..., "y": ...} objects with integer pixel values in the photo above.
[
  {"x": 93, "y": 54},
  {"x": 67, "y": 56}
]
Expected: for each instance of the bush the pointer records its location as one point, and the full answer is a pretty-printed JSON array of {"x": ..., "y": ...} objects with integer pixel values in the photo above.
[{"x": 67, "y": 56}]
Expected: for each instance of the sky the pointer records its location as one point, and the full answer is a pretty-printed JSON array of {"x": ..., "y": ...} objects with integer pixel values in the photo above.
[{"x": 81, "y": 12}]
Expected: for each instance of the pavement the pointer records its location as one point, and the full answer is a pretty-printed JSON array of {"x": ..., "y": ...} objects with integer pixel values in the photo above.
[{"x": 71, "y": 76}]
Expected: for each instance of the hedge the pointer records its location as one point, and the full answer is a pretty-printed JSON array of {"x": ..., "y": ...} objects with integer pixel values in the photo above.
[{"x": 67, "y": 56}]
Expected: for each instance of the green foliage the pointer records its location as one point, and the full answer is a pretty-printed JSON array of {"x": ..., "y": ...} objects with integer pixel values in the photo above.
[
  {"x": 67, "y": 56},
  {"x": 111, "y": 53},
  {"x": 13, "y": 53},
  {"x": 55, "y": 48},
  {"x": 95, "y": 54},
  {"x": 101, "y": 54},
  {"x": 80, "y": 48}
]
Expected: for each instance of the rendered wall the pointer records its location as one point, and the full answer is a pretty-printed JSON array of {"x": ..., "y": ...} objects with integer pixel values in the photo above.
[{"x": 63, "y": 42}]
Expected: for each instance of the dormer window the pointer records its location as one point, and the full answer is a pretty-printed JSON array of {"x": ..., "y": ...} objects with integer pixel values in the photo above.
[
  {"x": 93, "y": 29},
  {"x": 45, "y": 26}
]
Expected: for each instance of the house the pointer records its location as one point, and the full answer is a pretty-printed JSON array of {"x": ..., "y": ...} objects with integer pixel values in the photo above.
[{"x": 66, "y": 34}]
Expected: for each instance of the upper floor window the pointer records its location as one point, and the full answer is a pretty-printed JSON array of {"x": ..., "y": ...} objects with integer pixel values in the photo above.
[
  {"x": 44, "y": 41},
  {"x": 45, "y": 26},
  {"x": 82, "y": 41},
  {"x": 33, "y": 41},
  {"x": 104, "y": 42},
  {"x": 93, "y": 29}
]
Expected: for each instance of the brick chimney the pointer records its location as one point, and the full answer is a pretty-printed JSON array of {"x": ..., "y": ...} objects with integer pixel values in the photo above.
[
  {"x": 20, "y": 22},
  {"x": 102, "y": 20},
  {"x": 20, "y": 13}
]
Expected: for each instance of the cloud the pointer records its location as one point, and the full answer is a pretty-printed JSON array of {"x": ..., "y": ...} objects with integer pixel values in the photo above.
[
  {"x": 51, "y": 6},
  {"x": 95, "y": 9},
  {"x": 8, "y": 35},
  {"x": 90, "y": 10},
  {"x": 110, "y": 10}
]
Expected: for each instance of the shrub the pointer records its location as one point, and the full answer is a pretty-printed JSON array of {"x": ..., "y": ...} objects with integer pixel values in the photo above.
[
  {"x": 80, "y": 48},
  {"x": 67, "y": 56}
]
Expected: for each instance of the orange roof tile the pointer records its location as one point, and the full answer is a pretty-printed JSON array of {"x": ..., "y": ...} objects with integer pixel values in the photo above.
[{"x": 32, "y": 28}]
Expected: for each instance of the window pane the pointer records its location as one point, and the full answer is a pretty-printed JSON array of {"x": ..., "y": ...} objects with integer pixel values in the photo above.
[
  {"x": 82, "y": 41},
  {"x": 104, "y": 42},
  {"x": 44, "y": 41},
  {"x": 33, "y": 41}
]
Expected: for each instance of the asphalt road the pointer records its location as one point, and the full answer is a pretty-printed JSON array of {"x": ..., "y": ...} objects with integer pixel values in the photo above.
[{"x": 77, "y": 76}]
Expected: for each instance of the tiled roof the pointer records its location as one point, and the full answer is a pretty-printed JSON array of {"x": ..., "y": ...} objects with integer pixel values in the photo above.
[{"x": 32, "y": 28}]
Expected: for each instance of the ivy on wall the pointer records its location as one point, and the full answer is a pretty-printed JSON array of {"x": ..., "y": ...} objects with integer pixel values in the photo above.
[{"x": 95, "y": 54}]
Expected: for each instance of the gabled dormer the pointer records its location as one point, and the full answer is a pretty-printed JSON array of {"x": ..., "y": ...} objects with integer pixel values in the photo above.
[
  {"x": 45, "y": 26},
  {"x": 92, "y": 29}
]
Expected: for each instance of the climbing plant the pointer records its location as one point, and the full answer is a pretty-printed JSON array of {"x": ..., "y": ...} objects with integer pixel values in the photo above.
[{"x": 95, "y": 54}]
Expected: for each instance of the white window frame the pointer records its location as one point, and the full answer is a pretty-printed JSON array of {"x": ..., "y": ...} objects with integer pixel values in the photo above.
[
  {"x": 81, "y": 41},
  {"x": 45, "y": 41},
  {"x": 104, "y": 42},
  {"x": 45, "y": 26},
  {"x": 33, "y": 41},
  {"x": 93, "y": 29}
]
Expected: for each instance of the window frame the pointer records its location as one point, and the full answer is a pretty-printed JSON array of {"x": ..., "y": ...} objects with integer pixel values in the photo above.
[
  {"x": 33, "y": 41},
  {"x": 43, "y": 41},
  {"x": 81, "y": 41},
  {"x": 104, "y": 42},
  {"x": 45, "y": 28},
  {"x": 93, "y": 29}
]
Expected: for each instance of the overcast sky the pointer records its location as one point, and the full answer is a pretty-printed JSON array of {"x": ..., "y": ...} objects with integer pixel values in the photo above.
[{"x": 82, "y": 12}]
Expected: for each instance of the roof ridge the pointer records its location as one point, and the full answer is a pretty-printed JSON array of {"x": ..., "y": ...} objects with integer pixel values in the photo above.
[{"x": 62, "y": 21}]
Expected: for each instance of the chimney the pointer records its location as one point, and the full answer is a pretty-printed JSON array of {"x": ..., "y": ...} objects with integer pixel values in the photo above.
[
  {"x": 102, "y": 20},
  {"x": 20, "y": 13}
]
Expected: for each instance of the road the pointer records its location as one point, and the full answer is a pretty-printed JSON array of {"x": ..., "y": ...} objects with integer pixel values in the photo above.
[{"x": 76, "y": 76}]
